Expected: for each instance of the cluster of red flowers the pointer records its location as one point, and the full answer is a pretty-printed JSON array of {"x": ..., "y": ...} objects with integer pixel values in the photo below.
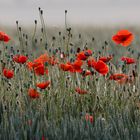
[
  {"x": 83, "y": 58},
  {"x": 125, "y": 38}
]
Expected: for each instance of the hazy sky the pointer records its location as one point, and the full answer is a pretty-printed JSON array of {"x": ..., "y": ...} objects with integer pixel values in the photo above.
[{"x": 79, "y": 11}]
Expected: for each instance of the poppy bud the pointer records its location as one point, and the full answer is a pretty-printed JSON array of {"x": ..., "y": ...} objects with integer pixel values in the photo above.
[{"x": 35, "y": 21}]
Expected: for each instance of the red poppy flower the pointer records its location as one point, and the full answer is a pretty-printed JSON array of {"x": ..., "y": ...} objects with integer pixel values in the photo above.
[
  {"x": 84, "y": 54},
  {"x": 8, "y": 73},
  {"x": 117, "y": 76},
  {"x": 128, "y": 60},
  {"x": 88, "y": 52},
  {"x": 30, "y": 65},
  {"x": 105, "y": 59},
  {"x": 89, "y": 118},
  {"x": 123, "y": 37},
  {"x": 38, "y": 68},
  {"x": 43, "y": 138},
  {"x": 4, "y": 37},
  {"x": 101, "y": 67},
  {"x": 91, "y": 62},
  {"x": 42, "y": 58},
  {"x": 66, "y": 67},
  {"x": 81, "y": 56},
  {"x": 80, "y": 91},
  {"x": 43, "y": 85},
  {"x": 120, "y": 78},
  {"x": 20, "y": 59},
  {"x": 33, "y": 93},
  {"x": 76, "y": 66}
]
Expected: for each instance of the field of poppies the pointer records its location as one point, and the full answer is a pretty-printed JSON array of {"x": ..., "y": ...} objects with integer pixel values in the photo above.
[{"x": 69, "y": 84}]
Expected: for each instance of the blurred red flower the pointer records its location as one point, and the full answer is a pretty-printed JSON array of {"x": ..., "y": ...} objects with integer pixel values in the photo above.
[
  {"x": 30, "y": 65},
  {"x": 128, "y": 60},
  {"x": 42, "y": 58},
  {"x": 117, "y": 76},
  {"x": 123, "y": 37},
  {"x": 84, "y": 54},
  {"x": 20, "y": 58},
  {"x": 66, "y": 67},
  {"x": 72, "y": 67},
  {"x": 91, "y": 62},
  {"x": 43, "y": 138},
  {"x": 120, "y": 78},
  {"x": 4, "y": 37},
  {"x": 8, "y": 73},
  {"x": 106, "y": 59},
  {"x": 45, "y": 58},
  {"x": 33, "y": 93},
  {"x": 89, "y": 118},
  {"x": 76, "y": 66},
  {"x": 43, "y": 85},
  {"x": 38, "y": 68},
  {"x": 80, "y": 91},
  {"x": 101, "y": 67}
]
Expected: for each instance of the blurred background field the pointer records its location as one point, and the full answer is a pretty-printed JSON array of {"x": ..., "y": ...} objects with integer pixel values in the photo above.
[{"x": 83, "y": 12}]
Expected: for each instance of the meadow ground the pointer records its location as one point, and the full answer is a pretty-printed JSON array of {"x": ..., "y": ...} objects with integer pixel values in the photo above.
[{"x": 73, "y": 106}]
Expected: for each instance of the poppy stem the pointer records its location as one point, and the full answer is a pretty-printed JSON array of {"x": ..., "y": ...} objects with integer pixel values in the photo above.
[
  {"x": 34, "y": 32},
  {"x": 43, "y": 24},
  {"x": 66, "y": 20}
]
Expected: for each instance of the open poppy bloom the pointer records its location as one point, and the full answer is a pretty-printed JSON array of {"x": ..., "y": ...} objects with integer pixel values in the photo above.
[
  {"x": 66, "y": 67},
  {"x": 106, "y": 59},
  {"x": 42, "y": 58},
  {"x": 30, "y": 65},
  {"x": 80, "y": 91},
  {"x": 20, "y": 59},
  {"x": 119, "y": 77},
  {"x": 91, "y": 62},
  {"x": 89, "y": 118},
  {"x": 76, "y": 66},
  {"x": 101, "y": 67},
  {"x": 33, "y": 93},
  {"x": 38, "y": 68},
  {"x": 128, "y": 60},
  {"x": 8, "y": 73},
  {"x": 84, "y": 55},
  {"x": 43, "y": 85},
  {"x": 4, "y": 37},
  {"x": 123, "y": 37}
]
